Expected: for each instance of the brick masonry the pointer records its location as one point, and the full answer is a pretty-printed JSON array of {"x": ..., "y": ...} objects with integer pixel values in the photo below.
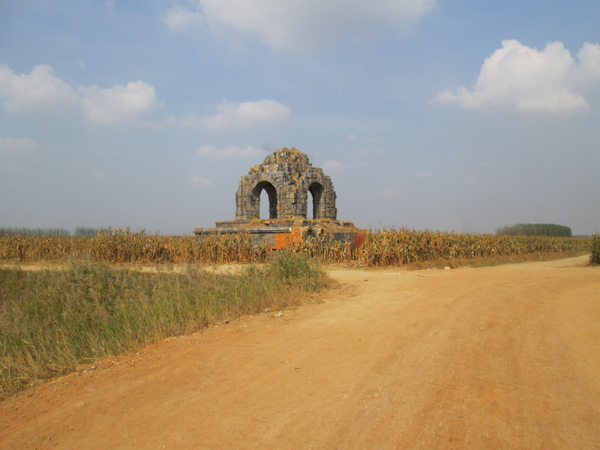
[{"x": 287, "y": 176}]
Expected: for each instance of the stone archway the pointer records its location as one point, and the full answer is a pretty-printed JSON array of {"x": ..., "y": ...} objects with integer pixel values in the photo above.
[
  {"x": 271, "y": 192},
  {"x": 288, "y": 176},
  {"x": 319, "y": 207}
]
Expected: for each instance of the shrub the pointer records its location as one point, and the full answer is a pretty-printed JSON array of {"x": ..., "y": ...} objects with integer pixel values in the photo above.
[{"x": 595, "y": 258}]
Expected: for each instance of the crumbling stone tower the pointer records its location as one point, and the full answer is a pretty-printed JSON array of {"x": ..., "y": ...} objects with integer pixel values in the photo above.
[{"x": 288, "y": 177}]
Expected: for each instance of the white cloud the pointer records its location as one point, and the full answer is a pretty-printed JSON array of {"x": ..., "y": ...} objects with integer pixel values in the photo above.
[
  {"x": 98, "y": 175},
  {"x": 212, "y": 152},
  {"x": 312, "y": 24},
  {"x": 18, "y": 146},
  {"x": 589, "y": 64},
  {"x": 179, "y": 19},
  {"x": 200, "y": 181},
  {"x": 472, "y": 181},
  {"x": 351, "y": 137},
  {"x": 422, "y": 174},
  {"x": 517, "y": 77},
  {"x": 247, "y": 114},
  {"x": 135, "y": 101},
  {"x": 41, "y": 89},
  {"x": 335, "y": 166},
  {"x": 389, "y": 192}
]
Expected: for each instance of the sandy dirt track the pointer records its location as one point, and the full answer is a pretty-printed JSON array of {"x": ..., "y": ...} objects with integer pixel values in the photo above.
[{"x": 487, "y": 358}]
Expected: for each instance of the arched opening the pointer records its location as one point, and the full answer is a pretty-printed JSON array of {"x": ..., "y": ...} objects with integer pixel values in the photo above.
[
  {"x": 318, "y": 200},
  {"x": 271, "y": 195},
  {"x": 264, "y": 205}
]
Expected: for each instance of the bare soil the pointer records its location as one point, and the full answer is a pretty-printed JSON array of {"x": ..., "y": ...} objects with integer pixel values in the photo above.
[{"x": 485, "y": 358}]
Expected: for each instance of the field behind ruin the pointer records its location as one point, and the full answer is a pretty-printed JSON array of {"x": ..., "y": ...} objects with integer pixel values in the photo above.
[{"x": 381, "y": 248}]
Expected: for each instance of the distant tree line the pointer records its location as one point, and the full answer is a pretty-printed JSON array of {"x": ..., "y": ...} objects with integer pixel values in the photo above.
[
  {"x": 535, "y": 229},
  {"x": 53, "y": 232}
]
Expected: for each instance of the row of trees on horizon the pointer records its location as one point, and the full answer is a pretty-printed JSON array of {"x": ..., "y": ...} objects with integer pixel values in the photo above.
[
  {"x": 535, "y": 229},
  {"x": 52, "y": 232}
]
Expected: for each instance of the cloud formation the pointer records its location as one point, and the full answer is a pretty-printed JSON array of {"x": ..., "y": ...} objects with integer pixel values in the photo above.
[
  {"x": 18, "y": 146},
  {"x": 304, "y": 24},
  {"x": 244, "y": 115},
  {"x": 40, "y": 89},
  {"x": 335, "y": 166},
  {"x": 200, "y": 181},
  {"x": 180, "y": 19},
  {"x": 517, "y": 77},
  {"x": 388, "y": 193},
  {"x": 212, "y": 152},
  {"x": 43, "y": 90},
  {"x": 119, "y": 103}
]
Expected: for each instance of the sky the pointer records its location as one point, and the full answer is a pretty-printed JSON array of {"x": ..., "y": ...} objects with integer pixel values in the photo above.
[{"x": 450, "y": 115}]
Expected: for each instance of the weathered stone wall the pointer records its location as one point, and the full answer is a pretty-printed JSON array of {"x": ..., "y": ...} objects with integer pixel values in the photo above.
[{"x": 287, "y": 176}]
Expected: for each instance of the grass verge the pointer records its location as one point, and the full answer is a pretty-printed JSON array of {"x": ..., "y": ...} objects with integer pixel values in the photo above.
[
  {"x": 595, "y": 257},
  {"x": 52, "y": 321}
]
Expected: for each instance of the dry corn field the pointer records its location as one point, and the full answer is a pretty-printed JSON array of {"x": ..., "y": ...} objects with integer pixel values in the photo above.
[{"x": 381, "y": 248}]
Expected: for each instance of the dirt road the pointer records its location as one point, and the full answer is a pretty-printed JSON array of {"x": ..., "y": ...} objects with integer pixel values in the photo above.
[{"x": 487, "y": 358}]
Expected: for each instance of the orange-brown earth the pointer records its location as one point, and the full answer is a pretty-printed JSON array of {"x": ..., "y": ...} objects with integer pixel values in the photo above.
[{"x": 487, "y": 358}]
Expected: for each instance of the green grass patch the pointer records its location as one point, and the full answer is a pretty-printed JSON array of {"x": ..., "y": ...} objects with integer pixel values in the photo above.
[
  {"x": 595, "y": 257},
  {"x": 52, "y": 321}
]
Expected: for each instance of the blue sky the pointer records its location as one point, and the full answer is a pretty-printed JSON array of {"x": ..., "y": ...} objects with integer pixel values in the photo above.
[{"x": 458, "y": 115}]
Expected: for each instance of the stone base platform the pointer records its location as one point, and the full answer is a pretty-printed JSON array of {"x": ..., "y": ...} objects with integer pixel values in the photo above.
[{"x": 278, "y": 233}]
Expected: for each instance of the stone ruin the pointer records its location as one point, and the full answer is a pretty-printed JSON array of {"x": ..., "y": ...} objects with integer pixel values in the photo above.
[{"x": 287, "y": 176}]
